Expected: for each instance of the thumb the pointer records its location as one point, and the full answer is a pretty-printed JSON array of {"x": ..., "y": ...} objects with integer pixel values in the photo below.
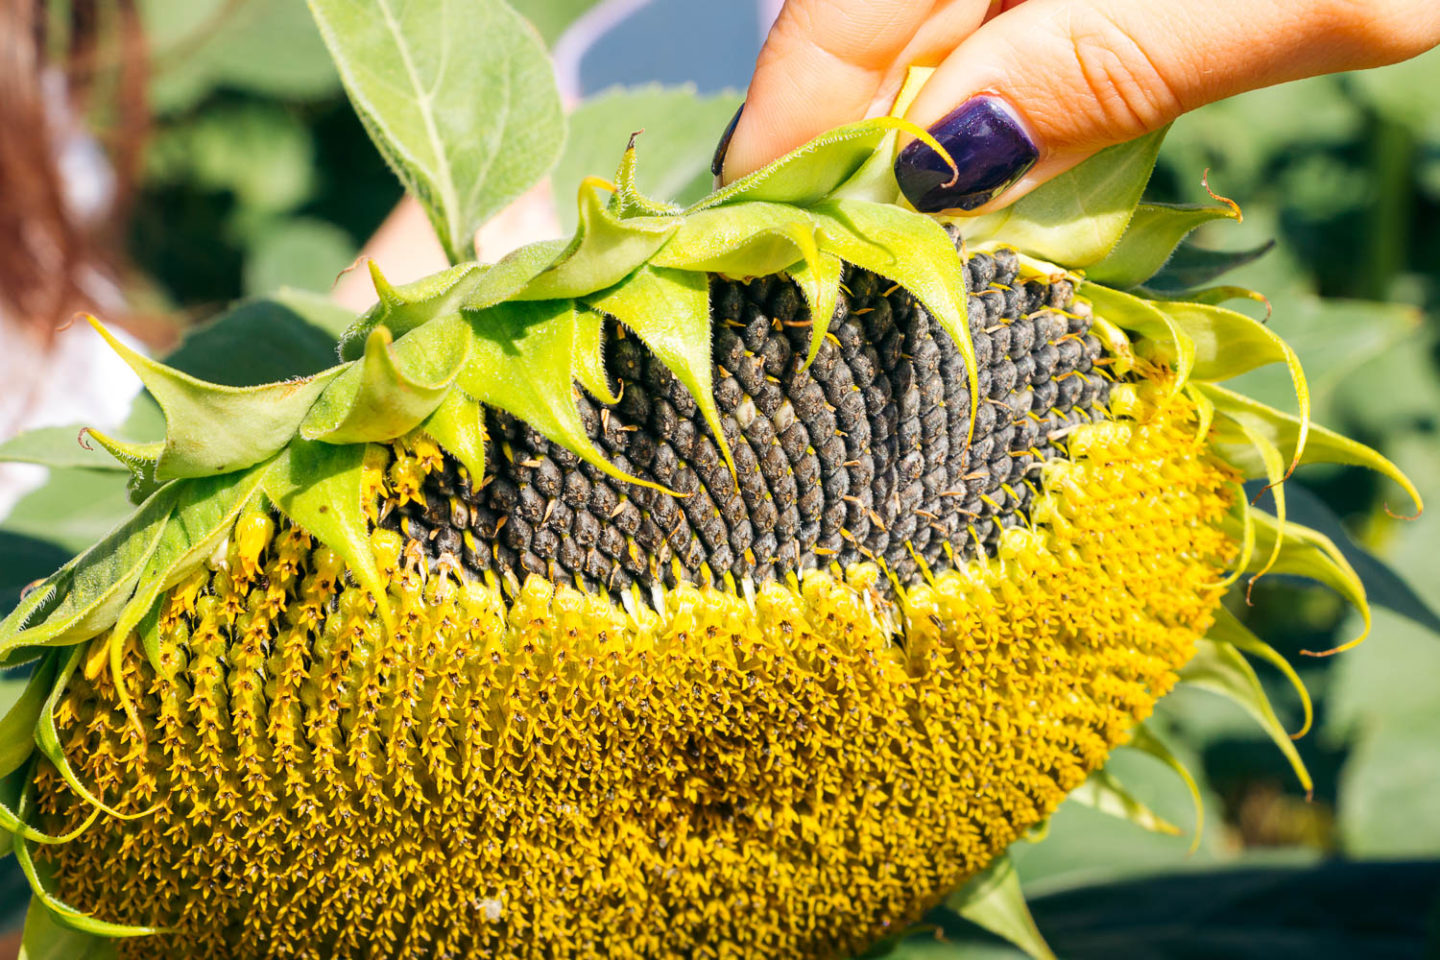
[{"x": 1050, "y": 82}]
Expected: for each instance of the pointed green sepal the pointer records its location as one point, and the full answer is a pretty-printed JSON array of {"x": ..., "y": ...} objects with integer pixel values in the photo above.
[
  {"x": 1228, "y": 343},
  {"x": 605, "y": 250},
  {"x": 917, "y": 254},
  {"x": 1160, "y": 338},
  {"x": 1104, "y": 792},
  {"x": 1155, "y": 230},
  {"x": 458, "y": 425},
  {"x": 1283, "y": 430},
  {"x": 1307, "y": 553},
  {"x": 522, "y": 361},
  {"x": 402, "y": 309},
  {"x": 321, "y": 488},
  {"x": 590, "y": 356},
  {"x": 1142, "y": 738},
  {"x": 212, "y": 429},
  {"x": 1220, "y": 668},
  {"x": 1228, "y": 629},
  {"x": 394, "y": 387},
  {"x": 993, "y": 900},
  {"x": 47, "y": 738},
  {"x": 1078, "y": 217},
  {"x": 669, "y": 310}
]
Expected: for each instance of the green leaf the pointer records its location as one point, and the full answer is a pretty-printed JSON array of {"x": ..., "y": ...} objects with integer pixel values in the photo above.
[
  {"x": 1190, "y": 267},
  {"x": 320, "y": 487},
  {"x": 46, "y": 938},
  {"x": 459, "y": 97},
  {"x": 57, "y": 447},
  {"x": 1220, "y": 668},
  {"x": 1103, "y": 791},
  {"x": 669, "y": 310},
  {"x": 287, "y": 334},
  {"x": 1283, "y": 430},
  {"x": 300, "y": 252},
  {"x": 402, "y": 309},
  {"x": 72, "y": 511},
  {"x": 680, "y": 128},
  {"x": 1078, "y": 217},
  {"x": 590, "y": 356},
  {"x": 214, "y": 429},
  {"x": 1154, "y": 232},
  {"x": 458, "y": 425},
  {"x": 393, "y": 388},
  {"x": 606, "y": 249},
  {"x": 523, "y": 362},
  {"x": 993, "y": 900},
  {"x": 266, "y": 47},
  {"x": 553, "y": 17}
]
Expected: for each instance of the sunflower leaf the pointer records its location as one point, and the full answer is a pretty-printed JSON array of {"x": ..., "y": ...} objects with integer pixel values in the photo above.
[
  {"x": 58, "y": 447},
  {"x": 17, "y": 729},
  {"x": 1154, "y": 232},
  {"x": 749, "y": 239},
  {"x": 460, "y": 98},
  {"x": 1191, "y": 267},
  {"x": 809, "y": 173}
]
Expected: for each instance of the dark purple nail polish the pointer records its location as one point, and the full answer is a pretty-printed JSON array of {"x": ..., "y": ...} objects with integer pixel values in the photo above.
[
  {"x": 990, "y": 149},
  {"x": 723, "y": 147}
]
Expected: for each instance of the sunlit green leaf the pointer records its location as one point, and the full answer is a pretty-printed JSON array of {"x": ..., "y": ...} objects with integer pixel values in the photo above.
[
  {"x": 47, "y": 939},
  {"x": 993, "y": 900},
  {"x": 57, "y": 447},
  {"x": 1154, "y": 232},
  {"x": 459, "y": 97},
  {"x": 1078, "y": 217}
]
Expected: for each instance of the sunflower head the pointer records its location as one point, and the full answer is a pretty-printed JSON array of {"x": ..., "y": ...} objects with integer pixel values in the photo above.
[{"x": 735, "y": 580}]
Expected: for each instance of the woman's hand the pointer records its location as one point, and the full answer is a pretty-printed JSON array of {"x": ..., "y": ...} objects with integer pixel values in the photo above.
[{"x": 1025, "y": 89}]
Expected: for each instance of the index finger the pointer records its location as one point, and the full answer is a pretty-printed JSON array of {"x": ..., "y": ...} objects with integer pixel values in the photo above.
[{"x": 821, "y": 67}]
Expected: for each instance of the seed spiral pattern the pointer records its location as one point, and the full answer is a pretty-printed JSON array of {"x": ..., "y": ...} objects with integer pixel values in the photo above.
[{"x": 861, "y": 456}]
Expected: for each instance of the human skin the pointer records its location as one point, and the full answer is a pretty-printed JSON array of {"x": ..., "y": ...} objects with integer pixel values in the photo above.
[{"x": 1078, "y": 75}]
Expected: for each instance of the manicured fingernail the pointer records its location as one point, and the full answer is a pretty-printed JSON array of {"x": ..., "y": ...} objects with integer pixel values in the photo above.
[
  {"x": 718, "y": 164},
  {"x": 991, "y": 151}
]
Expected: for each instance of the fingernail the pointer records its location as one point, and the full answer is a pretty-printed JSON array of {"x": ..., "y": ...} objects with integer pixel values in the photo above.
[
  {"x": 991, "y": 151},
  {"x": 718, "y": 163}
]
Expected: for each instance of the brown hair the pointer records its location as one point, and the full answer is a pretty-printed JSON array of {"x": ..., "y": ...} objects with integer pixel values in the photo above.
[{"x": 47, "y": 249}]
